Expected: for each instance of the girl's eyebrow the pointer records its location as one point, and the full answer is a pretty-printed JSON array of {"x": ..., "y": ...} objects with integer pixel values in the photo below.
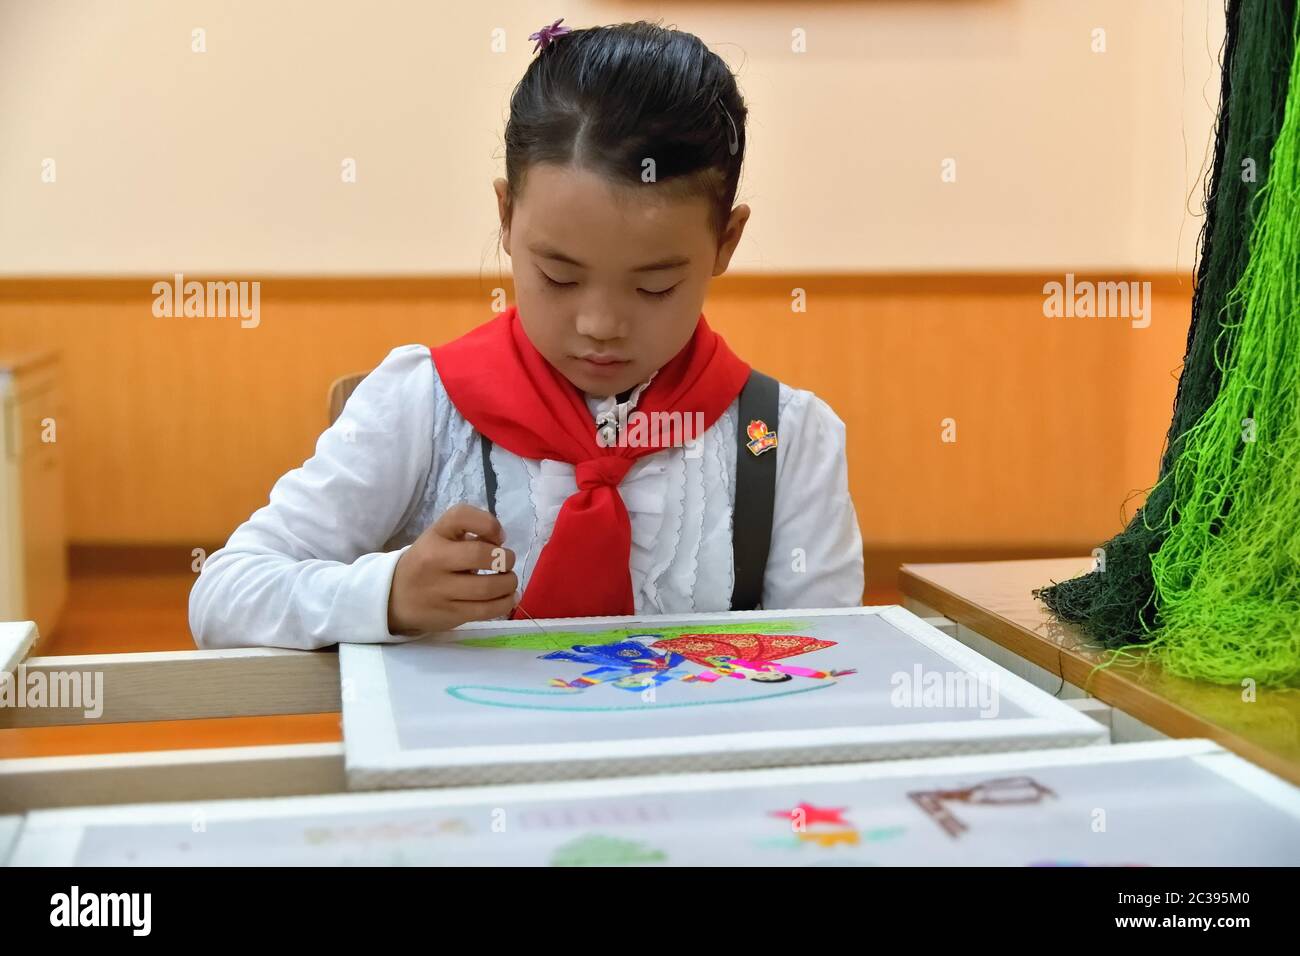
[{"x": 549, "y": 252}]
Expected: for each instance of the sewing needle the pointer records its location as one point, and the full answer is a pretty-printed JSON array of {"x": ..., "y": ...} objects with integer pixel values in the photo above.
[{"x": 520, "y": 608}]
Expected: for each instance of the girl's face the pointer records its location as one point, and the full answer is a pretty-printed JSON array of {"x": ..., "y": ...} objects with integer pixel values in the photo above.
[{"x": 610, "y": 279}]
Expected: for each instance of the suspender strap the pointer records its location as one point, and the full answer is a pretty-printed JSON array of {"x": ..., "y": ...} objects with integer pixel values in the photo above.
[
  {"x": 489, "y": 476},
  {"x": 751, "y": 520}
]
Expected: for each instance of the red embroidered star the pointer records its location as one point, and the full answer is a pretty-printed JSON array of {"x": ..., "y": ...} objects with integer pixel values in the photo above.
[{"x": 810, "y": 814}]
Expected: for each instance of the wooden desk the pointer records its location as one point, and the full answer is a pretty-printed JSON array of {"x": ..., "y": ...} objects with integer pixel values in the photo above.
[{"x": 994, "y": 599}]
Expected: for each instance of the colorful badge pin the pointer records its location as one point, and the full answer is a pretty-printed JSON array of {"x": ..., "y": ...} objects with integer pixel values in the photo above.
[{"x": 761, "y": 438}]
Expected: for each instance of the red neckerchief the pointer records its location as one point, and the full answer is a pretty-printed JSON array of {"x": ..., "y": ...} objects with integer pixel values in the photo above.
[{"x": 502, "y": 385}]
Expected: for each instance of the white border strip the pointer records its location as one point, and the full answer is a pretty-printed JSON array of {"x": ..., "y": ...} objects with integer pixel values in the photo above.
[
  {"x": 10, "y": 826},
  {"x": 1272, "y": 790},
  {"x": 1015, "y": 688},
  {"x": 559, "y": 623},
  {"x": 16, "y": 641},
  {"x": 367, "y": 714}
]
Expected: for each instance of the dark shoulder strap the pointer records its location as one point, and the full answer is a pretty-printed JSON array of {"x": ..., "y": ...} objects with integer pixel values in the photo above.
[
  {"x": 489, "y": 476},
  {"x": 751, "y": 520}
]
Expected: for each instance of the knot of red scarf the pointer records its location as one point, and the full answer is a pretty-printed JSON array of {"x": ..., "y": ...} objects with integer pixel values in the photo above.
[
  {"x": 608, "y": 470},
  {"x": 506, "y": 389}
]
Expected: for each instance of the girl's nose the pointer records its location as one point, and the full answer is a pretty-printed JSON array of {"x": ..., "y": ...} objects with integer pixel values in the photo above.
[{"x": 601, "y": 325}]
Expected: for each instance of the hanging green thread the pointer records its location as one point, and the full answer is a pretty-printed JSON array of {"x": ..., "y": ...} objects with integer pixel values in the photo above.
[
  {"x": 1227, "y": 577},
  {"x": 1115, "y": 605}
]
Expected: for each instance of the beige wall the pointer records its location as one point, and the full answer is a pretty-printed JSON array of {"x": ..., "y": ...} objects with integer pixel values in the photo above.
[{"x": 228, "y": 162}]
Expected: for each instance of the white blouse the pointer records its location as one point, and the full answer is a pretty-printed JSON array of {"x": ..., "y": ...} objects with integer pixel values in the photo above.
[{"x": 313, "y": 567}]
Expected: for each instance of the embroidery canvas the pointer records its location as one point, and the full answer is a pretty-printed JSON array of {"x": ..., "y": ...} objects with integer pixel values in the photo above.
[
  {"x": 514, "y": 701},
  {"x": 1015, "y": 809}
]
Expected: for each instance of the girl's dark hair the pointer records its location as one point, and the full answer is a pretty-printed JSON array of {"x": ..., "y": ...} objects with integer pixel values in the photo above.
[{"x": 609, "y": 98}]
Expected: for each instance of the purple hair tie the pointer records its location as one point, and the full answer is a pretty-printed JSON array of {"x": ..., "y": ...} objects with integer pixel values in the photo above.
[{"x": 546, "y": 35}]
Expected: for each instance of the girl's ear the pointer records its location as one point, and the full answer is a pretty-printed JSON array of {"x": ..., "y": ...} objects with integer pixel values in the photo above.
[
  {"x": 730, "y": 238},
  {"x": 499, "y": 186}
]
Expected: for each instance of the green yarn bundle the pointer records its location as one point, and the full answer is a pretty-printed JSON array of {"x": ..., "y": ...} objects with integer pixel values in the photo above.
[
  {"x": 1227, "y": 577},
  {"x": 1207, "y": 572}
]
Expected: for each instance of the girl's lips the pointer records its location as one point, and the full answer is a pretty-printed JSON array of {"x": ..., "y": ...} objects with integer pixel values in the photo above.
[{"x": 603, "y": 366}]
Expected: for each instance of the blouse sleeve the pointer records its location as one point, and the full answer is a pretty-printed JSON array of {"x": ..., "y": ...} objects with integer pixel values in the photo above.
[
  {"x": 308, "y": 569},
  {"x": 816, "y": 554}
]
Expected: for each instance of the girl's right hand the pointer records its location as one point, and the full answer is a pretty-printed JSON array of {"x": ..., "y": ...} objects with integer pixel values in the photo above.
[{"x": 435, "y": 584}]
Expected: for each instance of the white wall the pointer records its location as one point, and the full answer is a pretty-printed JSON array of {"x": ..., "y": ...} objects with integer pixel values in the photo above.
[{"x": 228, "y": 162}]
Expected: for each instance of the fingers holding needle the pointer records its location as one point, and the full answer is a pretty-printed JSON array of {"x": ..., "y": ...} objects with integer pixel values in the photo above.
[{"x": 518, "y": 606}]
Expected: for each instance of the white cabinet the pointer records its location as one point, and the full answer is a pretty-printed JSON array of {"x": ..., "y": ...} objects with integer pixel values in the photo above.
[{"x": 33, "y": 540}]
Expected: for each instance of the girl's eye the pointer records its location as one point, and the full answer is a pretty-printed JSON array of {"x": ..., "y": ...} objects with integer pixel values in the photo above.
[
  {"x": 552, "y": 282},
  {"x": 659, "y": 296}
]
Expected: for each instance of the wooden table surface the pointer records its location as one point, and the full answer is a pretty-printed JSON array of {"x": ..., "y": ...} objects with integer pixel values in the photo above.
[{"x": 994, "y": 598}]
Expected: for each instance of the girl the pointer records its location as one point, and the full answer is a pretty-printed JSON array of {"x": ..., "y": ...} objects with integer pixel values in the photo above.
[{"x": 510, "y": 473}]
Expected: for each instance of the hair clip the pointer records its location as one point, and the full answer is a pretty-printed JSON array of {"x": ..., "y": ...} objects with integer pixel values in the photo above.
[
  {"x": 733, "y": 138},
  {"x": 546, "y": 35}
]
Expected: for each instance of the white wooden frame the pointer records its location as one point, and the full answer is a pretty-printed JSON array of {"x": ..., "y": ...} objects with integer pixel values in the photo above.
[
  {"x": 184, "y": 685},
  {"x": 17, "y": 638},
  {"x": 375, "y": 760},
  {"x": 267, "y": 682},
  {"x": 10, "y": 826},
  {"x": 179, "y": 685},
  {"x": 175, "y": 685},
  {"x": 52, "y": 837}
]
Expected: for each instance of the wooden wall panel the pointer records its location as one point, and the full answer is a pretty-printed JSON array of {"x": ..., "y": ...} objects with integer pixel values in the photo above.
[{"x": 176, "y": 428}]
